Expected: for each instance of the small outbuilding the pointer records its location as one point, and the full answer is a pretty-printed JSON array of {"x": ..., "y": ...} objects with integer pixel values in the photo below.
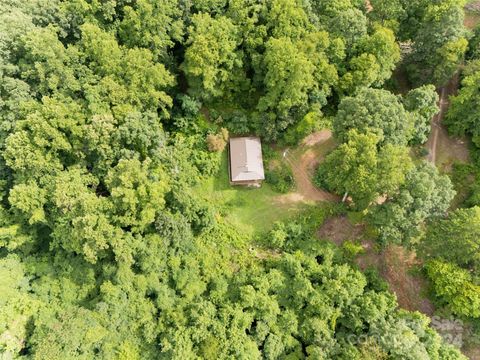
[{"x": 245, "y": 161}]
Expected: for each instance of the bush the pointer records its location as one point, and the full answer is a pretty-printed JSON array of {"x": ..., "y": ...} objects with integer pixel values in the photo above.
[
  {"x": 310, "y": 123},
  {"x": 351, "y": 250},
  {"x": 189, "y": 105},
  {"x": 217, "y": 142},
  {"x": 281, "y": 178},
  {"x": 319, "y": 178},
  {"x": 375, "y": 281},
  {"x": 454, "y": 287},
  {"x": 238, "y": 122},
  {"x": 286, "y": 235}
]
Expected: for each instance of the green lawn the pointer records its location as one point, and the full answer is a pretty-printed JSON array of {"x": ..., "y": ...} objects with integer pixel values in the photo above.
[{"x": 251, "y": 210}]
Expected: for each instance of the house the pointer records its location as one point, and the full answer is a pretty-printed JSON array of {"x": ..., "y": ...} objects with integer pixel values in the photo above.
[{"x": 245, "y": 161}]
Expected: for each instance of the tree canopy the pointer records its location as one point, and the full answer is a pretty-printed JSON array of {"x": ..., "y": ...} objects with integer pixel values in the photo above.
[
  {"x": 424, "y": 195},
  {"x": 362, "y": 170},
  {"x": 113, "y": 114}
]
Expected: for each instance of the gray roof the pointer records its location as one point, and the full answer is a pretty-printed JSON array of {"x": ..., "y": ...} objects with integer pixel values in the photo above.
[{"x": 246, "y": 162}]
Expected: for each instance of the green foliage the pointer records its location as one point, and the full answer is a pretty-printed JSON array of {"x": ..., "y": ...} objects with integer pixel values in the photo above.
[
  {"x": 388, "y": 12},
  {"x": 374, "y": 111},
  {"x": 213, "y": 65},
  {"x": 462, "y": 116},
  {"x": 137, "y": 193},
  {"x": 424, "y": 195},
  {"x": 421, "y": 103},
  {"x": 310, "y": 123},
  {"x": 281, "y": 178},
  {"x": 119, "y": 235},
  {"x": 439, "y": 43},
  {"x": 456, "y": 239},
  {"x": 147, "y": 24},
  {"x": 362, "y": 171},
  {"x": 16, "y": 306},
  {"x": 351, "y": 250},
  {"x": 455, "y": 288},
  {"x": 473, "y": 51}
]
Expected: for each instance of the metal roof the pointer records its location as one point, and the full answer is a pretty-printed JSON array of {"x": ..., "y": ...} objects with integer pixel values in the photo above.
[{"x": 246, "y": 163}]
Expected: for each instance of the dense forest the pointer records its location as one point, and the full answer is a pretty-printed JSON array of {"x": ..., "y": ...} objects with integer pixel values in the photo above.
[{"x": 113, "y": 113}]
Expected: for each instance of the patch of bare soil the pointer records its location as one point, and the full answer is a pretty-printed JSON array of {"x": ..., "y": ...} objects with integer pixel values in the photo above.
[
  {"x": 370, "y": 257},
  {"x": 472, "y": 19},
  {"x": 473, "y": 6},
  {"x": 339, "y": 229},
  {"x": 472, "y": 14},
  {"x": 473, "y": 353},
  {"x": 368, "y": 5},
  {"x": 290, "y": 198},
  {"x": 397, "y": 265},
  {"x": 317, "y": 137}
]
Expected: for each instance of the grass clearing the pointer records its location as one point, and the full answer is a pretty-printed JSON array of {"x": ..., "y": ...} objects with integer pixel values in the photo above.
[{"x": 253, "y": 210}]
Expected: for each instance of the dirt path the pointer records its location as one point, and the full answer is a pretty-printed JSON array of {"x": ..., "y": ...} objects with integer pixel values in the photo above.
[
  {"x": 444, "y": 150},
  {"x": 303, "y": 162}
]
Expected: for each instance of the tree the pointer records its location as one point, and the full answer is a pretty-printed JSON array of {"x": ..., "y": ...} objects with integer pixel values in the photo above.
[
  {"x": 29, "y": 199},
  {"x": 424, "y": 195},
  {"x": 107, "y": 247},
  {"x": 47, "y": 65},
  {"x": 16, "y": 306},
  {"x": 455, "y": 288},
  {"x": 298, "y": 77},
  {"x": 288, "y": 77},
  {"x": 473, "y": 51},
  {"x": 79, "y": 217},
  {"x": 361, "y": 170},
  {"x": 376, "y": 111},
  {"x": 383, "y": 45},
  {"x": 370, "y": 62},
  {"x": 74, "y": 332},
  {"x": 388, "y": 12},
  {"x": 213, "y": 63},
  {"x": 362, "y": 72},
  {"x": 147, "y": 24},
  {"x": 137, "y": 192},
  {"x": 411, "y": 23},
  {"x": 350, "y": 25},
  {"x": 455, "y": 239},
  {"x": 422, "y": 104},
  {"x": 126, "y": 79},
  {"x": 463, "y": 114},
  {"x": 286, "y": 19},
  {"x": 48, "y": 138},
  {"x": 439, "y": 45}
]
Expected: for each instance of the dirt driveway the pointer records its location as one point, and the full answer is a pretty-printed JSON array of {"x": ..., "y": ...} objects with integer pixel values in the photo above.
[{"x": 303, "y": 162}]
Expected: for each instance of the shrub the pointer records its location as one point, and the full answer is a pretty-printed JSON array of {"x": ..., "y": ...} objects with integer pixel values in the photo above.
[
  {"x": 189, "y": 105},
  {"x": 319, "y": 178},
  {"x": 375, "y": 281},
  {"x": 306, "y": 126},
  {"x": 455, "y": 288},
  {"x": 281, "y": 178},
  {"x": 351, "y": 250},
  {"x": 217, "y": 142}
]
